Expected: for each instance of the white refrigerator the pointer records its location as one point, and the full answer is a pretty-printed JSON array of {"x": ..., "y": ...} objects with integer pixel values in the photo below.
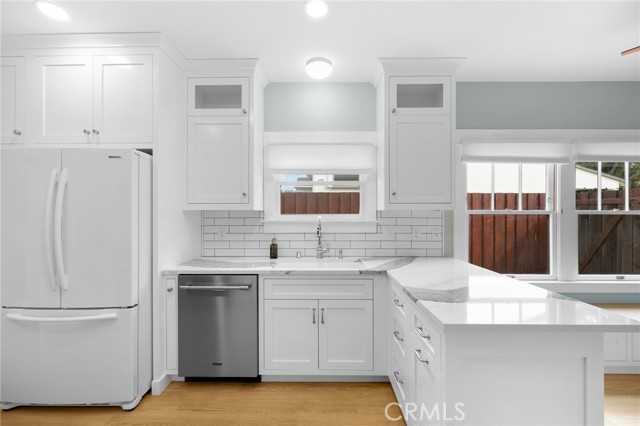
[{"x": 76, "y": 276}]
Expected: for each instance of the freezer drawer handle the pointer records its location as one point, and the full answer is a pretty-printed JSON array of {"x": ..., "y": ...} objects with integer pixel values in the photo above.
[
  {"x": 20, "y": 317},
  {"x": 217, "y": 288}
]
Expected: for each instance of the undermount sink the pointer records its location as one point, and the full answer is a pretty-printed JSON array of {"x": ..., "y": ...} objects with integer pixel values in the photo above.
[{"x": 324, "y": 263}]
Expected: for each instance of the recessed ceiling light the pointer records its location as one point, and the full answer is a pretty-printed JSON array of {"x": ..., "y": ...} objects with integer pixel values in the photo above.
[
  {"x": 51, "y": 10},
  {"x": 316, "y": 8},
  {"x": 319, "y": 68}
]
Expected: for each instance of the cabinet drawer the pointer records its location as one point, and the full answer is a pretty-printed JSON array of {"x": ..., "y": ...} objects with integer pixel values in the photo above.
[
  {"x": 399, "y": 377},
  {"x": 279, "y": 288},
  {"x": 426, "y": 333},
  {"x": 615, "y": 346},
  {"x": 400, "y": 303},
  {"x": 399, "y": 334}
]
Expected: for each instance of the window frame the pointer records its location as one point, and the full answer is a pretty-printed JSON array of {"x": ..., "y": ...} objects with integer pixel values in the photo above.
[
  {"x": 550, "y": 210},
  {"x": 575, "y": 268},
  {"x": 585, "y": 145}
]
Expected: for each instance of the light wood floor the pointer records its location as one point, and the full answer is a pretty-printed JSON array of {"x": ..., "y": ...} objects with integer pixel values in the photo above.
[{"x": 282, "y": 404}]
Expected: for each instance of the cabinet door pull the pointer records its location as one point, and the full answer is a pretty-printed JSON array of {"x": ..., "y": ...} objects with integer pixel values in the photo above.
[
  {"x": 314, "y": 315},
  {"x": 420, "y": 332},
  {"x": 396, "y": 375},
  {"x": 417, "y": 352},
  {"x": 397, "y": 302},
  {"x": 322, "y": 316},
  {"x": 398, "y": 338}
]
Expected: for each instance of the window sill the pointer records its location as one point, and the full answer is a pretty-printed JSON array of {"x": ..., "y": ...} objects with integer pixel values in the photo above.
[{"x": 328, "y": 226}]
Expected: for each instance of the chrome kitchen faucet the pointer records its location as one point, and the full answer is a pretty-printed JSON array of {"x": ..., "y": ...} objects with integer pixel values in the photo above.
[{"x": 320, "y": 252}]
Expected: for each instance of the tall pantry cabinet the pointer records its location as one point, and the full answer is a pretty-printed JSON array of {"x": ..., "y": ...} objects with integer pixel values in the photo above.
[{"x": 416, "y": 118}]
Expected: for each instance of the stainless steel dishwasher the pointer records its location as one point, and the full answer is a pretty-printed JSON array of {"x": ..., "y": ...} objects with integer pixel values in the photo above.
[{"x": 218, "y": 326}]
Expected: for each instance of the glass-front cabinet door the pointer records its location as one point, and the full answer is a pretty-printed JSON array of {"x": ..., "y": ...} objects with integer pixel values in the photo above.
[
  {"x": 218, "y": 96},
  {"x": 420, "y": 95}
]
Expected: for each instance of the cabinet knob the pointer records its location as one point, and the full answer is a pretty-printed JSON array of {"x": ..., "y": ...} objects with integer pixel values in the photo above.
[
  {"x": 95, "y": 132},
  {"x": 170, "y": 290},
  {"x": 394, "y": 193},
  {"x": 244, "y": 194},
  {"x": 393, "y": 110},
  {"x": 86, "y": 132},
  {"x": 244, "y": 110},
  {"x": 17, "y": 132}
]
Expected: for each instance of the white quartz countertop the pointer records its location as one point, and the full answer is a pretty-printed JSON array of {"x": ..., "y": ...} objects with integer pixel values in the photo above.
[
  {"x": 460, "y": 296},
  {"x": 305, "y": 265},
  {"x": 454, "y": 294}
]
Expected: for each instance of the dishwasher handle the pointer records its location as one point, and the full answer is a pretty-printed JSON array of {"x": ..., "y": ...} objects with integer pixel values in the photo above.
[{"x": 215, "y": 288}]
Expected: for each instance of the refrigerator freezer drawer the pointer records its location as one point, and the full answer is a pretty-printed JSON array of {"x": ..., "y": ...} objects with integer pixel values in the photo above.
[{"x": 63, "y": 357}]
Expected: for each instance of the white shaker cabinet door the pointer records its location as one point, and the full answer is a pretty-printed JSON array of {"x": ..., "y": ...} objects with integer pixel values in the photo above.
[
  {"x": 420, "y": 159},
  {"x": 346, "y": 335},
  {"x": 291, "y": 334},
  {"x": 123, "y": 99},
  {"x": 13, "y": 100},
  {"x": 218, "y": 160},
  {"x": 63, "y": 110}
]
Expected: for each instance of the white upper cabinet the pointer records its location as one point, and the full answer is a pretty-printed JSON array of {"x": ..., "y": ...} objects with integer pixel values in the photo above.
[
  {"x": 123, "y": 98},
  {"x": 64, "y": 99},
  {"x": 87, "y": 99},
  {"x": 218, "y": 96},
  {"x": 420, "y": 95},
  {"x": 416, "y": 107},
  {"x": 13, "y": 95},
  {"x": 218, "y": 157},
  {"x": 225, "y": 132},
  {"x": 419, "y": 159}
]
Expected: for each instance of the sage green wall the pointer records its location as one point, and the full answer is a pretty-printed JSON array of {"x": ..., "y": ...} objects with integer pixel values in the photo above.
[
  {"x": 320, "y": 107},
  {"x": 334, "y": 107},
  {"x": 566, "y": 105}
]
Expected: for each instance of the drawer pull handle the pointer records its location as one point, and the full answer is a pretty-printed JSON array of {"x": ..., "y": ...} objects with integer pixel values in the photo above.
[
  {"x": 397, "y": 335},
  {"x": 396, "y": 375},
  {"x": 417, "y": 352},
  {"x": 420, "y": 332},
  {"x": 397, "y": 302},
  {"x": 314, "y": 316}
]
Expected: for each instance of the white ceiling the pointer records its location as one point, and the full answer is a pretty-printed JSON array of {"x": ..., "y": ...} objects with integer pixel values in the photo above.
[{"x": 502, "y": 41}]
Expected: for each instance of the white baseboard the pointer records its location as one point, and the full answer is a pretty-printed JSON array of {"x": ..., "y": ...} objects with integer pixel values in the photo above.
[
  {"x": 301, "y": 378},
  {"x": 159, "y": 385},
  {"x": 622, "y": 369}
]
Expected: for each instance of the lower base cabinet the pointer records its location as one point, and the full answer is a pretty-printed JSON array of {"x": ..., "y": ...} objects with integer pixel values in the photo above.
[{"x": 318, "y": 335}]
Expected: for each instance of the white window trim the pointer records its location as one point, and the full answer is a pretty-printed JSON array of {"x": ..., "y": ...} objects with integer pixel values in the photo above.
[
  {"x": 366, "y": 221},
  {"x": 566, "y": 223}
]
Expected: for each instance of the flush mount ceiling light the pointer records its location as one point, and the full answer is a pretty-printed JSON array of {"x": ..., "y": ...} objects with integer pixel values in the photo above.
[
  {"x": 316, "y": 8},
  {"x": 51, "y": 10},
  {"x": 319, "y": 68}
]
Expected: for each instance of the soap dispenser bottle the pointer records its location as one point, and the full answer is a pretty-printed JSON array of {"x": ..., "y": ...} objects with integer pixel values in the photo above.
[{"x": 273, "y": 249}]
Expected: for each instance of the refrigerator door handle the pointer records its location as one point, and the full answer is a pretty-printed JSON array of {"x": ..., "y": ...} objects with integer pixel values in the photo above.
[
  {"x": 23, "y": 318},
  {"x": 57, "y": 230},
  {"x": 48, "y": 218}
]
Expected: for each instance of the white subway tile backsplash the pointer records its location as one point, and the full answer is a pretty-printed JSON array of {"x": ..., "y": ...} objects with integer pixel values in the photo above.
[{"x": 240, "y": 233}]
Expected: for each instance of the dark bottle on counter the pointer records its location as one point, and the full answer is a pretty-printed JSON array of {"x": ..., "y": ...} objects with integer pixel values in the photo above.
[{"x": 273, "y": 249}]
